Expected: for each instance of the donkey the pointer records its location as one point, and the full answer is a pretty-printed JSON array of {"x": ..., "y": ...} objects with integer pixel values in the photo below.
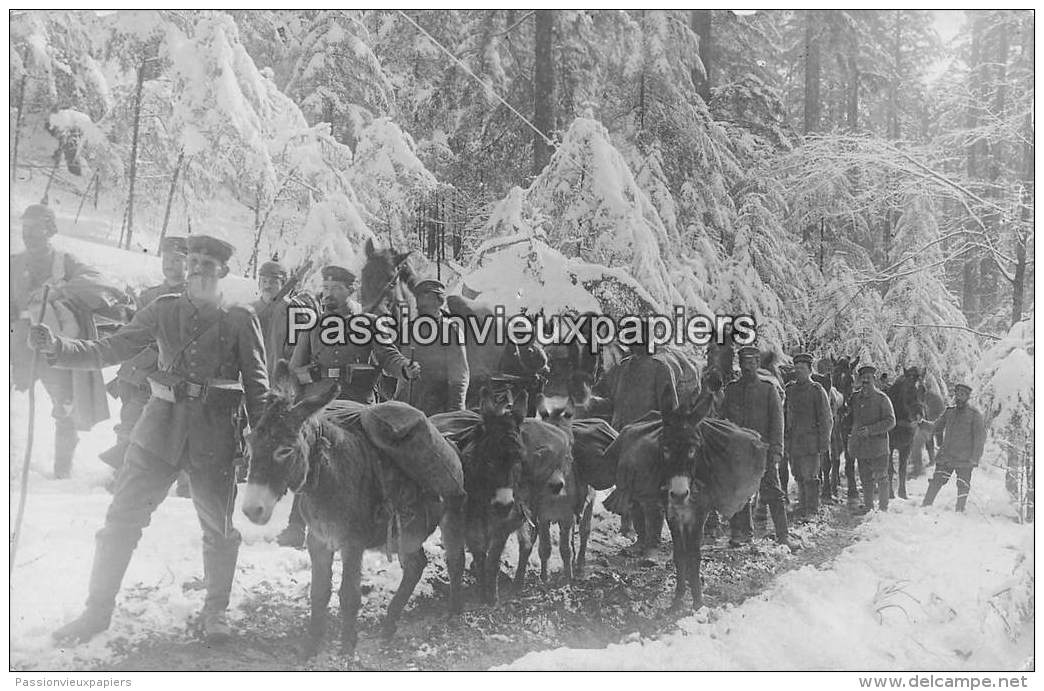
[
  {"x": 310, "y": 447},
  {"x": 564, "y": 490}
]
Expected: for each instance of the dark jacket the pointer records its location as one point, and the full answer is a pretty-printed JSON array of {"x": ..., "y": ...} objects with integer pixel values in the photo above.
[
  {"x": 200, "y": 343},
  {"x": 753, "y": 403},
  {"x": 637, "y": 385},
  {"x": 872, "y": 410},
  {"x": 275, "y": 326},
  {"x": 443, "y": 382},
  {"x": 134, "y": 372},
  {"x": 961, "y": 434},
  {"x": 808, "y": 420}
]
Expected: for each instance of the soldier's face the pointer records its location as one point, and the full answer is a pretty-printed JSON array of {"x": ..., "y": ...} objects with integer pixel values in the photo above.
[
  {"x": 867, "y": 379},
  {"x": 35, "y": 236},
  {"x": 335, "y": 295},
  {"x": 960, "y": 397},
  {"x": 430, "y": 303},
  {"x": 748, "y": 365},
  {"x": 204, "y": 275},
  {"x": 269, "y": 286},
  {"x": 174, "y": 267},
  {"x": 802, "y": 371}
]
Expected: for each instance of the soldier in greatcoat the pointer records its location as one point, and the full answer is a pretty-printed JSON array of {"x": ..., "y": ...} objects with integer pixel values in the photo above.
[
  {"x": 806, "y": 433},
  {"x": 872, "y": 418},
  {"x": 76, "y": 290},
  {"x": 443, "y": 384},
  {"x": 210, "y": 356},
  {"x": 754, "y": 403},
  {"x": 961, "y": 435},
  {"x": 131, "y": 385}
]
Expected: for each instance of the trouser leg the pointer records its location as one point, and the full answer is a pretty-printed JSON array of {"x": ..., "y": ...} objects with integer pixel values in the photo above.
[
  {"x": 142, "y": 485},
  {"x": 939, "y": 478},
  {"x": 772, "y": 495},
  {"x": 866, "y": 479},
  {"x": 132, "y": 404},
  {"x": 850, "y": 474},
  {"x": 213, "y": 486},
  {"x": 58, "y": 384},
  {"x": 964, "y": 474}
]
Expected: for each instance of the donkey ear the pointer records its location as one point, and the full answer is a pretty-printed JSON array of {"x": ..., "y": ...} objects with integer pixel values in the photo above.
[
  {"x": 370, "y": 249},
  {"x": 520, "y": 407},
  {"x": 311, "y": 404}
]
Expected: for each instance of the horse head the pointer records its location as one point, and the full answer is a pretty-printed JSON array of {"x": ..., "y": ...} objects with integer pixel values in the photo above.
[
  {"x": 907, "y": 394},
  {"x": 283, "y": 446},
  {"x": 557, "y": 410},
  {"x": 384, "y": 276},
  {"x": 496, "y": 457}
]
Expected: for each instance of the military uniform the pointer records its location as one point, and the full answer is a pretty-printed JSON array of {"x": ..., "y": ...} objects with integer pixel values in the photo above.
[
  {"x": 131, "y": 385},
  {"x": 637, "y": 385},
  {"x": 806, "y": 437},
  {"x": 871, "y": 410},
  {"x": 754, "y": 403},
  {"x": 443, "y": 382},
  {"x": 204, "y": 351},
  {"x": 961, "y": 435},
  {"x": 70, "y": 409}
]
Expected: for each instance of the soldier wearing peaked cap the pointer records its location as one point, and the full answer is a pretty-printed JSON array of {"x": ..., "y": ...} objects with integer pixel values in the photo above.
[
  {"x": 872, "y": 419},
  {"x": 210, "y": 355},
  {"x": 131, "y": 384},
  {"x": 76, "y": 291},
  {"x": 753, "y": 402},
  {"x": 806, "y": 432},
  {"x": 961, "y": 436}
]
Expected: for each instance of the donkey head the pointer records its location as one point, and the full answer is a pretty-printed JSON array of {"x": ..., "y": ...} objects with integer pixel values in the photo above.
[
  {"x": 282, "y": 444},
  {"x": 557, "y": 410},
  {"x": 679, "y": 445},
  {"x": 496, "y": 463}
]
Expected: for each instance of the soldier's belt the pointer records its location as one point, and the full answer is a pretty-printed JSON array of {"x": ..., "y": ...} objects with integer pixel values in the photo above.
[
  {"x": 348, "y": 374},
  {"x": 175, "y": 388}
]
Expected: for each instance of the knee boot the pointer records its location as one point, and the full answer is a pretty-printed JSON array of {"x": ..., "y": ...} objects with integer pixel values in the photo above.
[
  {"x": 884, "y": 490},
  {"x": 65, "y": 440},
  {"x": 219, "y": 569},
  {"x": 779, "y": 521},
  {"x": 812, "y": 493},
  {"x": 112, "y": 555},
  {"x": 933, "y": 490}
]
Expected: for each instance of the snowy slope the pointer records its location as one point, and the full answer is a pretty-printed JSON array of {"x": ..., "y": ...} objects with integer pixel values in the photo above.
[{"x": 922, "y": 589}]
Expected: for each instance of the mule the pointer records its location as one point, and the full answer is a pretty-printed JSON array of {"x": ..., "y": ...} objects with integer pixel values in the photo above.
[
  {"x": 907, "y": 395},
  {"x": 842, "y": 376},
  {"x": 344, "y": 486}
]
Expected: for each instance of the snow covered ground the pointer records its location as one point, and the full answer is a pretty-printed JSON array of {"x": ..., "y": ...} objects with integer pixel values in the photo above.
[{"x": 922, "y": 589}]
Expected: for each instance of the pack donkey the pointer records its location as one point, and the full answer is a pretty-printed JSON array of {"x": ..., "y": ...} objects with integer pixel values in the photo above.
[{"x": 353, "y": 499}]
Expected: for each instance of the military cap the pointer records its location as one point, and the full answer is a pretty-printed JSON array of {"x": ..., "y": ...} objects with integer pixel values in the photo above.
[
  {"x": 866, "y": 368},
  {"x": 430, "y": 285},
  {"x": 749, "y": 351},
  {"x": 962, "y": 386},
  {"x": 273, "y": 268},
  {"x": 803, "y": 357},
  {"x": 338, "y": 273},
  {"x": 42, "y": 215},
  {"x": 171, "y": 243},
  {"x": 912, "y": 372},
  {"x": 211, "y": 246}
]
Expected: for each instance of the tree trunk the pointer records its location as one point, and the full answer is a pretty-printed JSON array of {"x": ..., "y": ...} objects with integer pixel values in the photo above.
[
  {"x": 700, "y": 20},
  {"x": 893, "y": 91},
  {"x": 812, "y": 104},
  {"x": 543, "y": 89},
  {"x": 976, "y": 157},
  {"x": 18, "y": 126},
  {"x": 170, "y": 200},
  {"x": 853, "y": 83},
  {"x": 1018, "y": 293},
  {"x": 134, "y": 154}
]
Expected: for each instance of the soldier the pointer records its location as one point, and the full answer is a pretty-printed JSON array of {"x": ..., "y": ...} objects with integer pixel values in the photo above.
[
  {"x": 872, "y": 419},
  {"x": 753, "y": 402},
  {"x": 78, "y": 398},
  {"x": 131, "y": 386},
  {"x": 639, "y": 384},
  {"x": 806, "y": 433},
  {"x": 961, "y": 435},
  {"x": 209, "y": 355},
  {"x": 313, "y": 361},
  {"x": 444, "y": 385}
]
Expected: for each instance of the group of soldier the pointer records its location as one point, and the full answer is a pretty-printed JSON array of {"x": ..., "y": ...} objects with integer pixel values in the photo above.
[{"x": 194, "y": 371}]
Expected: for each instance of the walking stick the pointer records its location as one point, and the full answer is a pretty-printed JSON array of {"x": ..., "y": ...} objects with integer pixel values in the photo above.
[
  {"x": 28, "y": 443},
  {"x": 413, "y": 351}
]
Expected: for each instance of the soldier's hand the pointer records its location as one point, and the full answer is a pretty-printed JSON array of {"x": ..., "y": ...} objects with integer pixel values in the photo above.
[
  {"x": 411, "y": 371},
  {"x": 41, "y": 338}
]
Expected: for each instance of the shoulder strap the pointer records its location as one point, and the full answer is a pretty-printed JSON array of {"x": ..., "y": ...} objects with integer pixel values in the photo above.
[{"x": 199, "y": 332}]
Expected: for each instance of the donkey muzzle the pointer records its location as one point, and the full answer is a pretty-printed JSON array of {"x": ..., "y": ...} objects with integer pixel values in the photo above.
[
  {"x": 258, "y": 502},
  {"x": 503, "y": 499},
  {"x": 679, "y": 489}
]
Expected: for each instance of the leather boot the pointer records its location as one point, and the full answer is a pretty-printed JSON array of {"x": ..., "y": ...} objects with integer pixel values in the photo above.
[
  {"x": 65, "y": 440},
  {"x": 869, "y": 490},
  {"x": 111, "y": 557},
  {"x": 219, "y": 569},
  {"x": 933, "y": 490},
  {"x": 779, "y": 521}
]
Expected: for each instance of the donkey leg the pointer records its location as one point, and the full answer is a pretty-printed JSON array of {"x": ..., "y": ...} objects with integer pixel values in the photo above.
[
  {"x": 904, "y": 457},
  {"x": 491, "y": 589},
  {"x": 693, "y": 547},
  {"x": 320, "y": 590},
  {"x": 452, "y": 528},
  {"x": 544, "y": 548},
  {"x": 566, "y": 547},
  {"x": 681, "y": 561},
  {"x": 585, "y": 533},
  {"x": 412, "y": 568},
  {"x": 350, "y": 594},
  {"x": 525, "y": 548}
]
